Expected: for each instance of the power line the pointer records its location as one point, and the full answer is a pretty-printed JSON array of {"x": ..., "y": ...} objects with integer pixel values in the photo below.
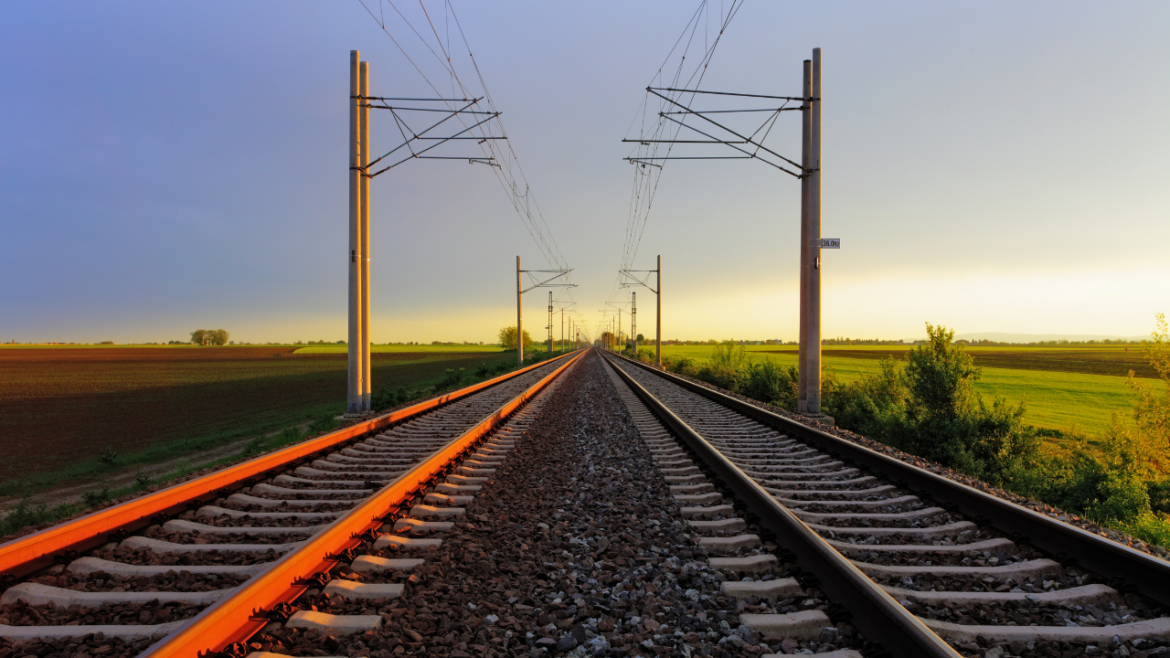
[
  {"x": 509, "y": 172},
  {"x": 656, "y": 134}
]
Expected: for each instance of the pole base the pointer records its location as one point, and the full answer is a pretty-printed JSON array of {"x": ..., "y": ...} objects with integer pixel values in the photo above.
[{"x": 820, "y": 418}]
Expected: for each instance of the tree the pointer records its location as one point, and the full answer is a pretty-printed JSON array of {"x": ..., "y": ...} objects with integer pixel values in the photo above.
[
  {"x": 209, "y": 337},
  {"x": 641, "y": 338},
  {"x": 507, "y": 338}
]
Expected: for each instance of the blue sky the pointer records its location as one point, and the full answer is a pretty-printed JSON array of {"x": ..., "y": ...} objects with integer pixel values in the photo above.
[{"x": 991, "y": 167}]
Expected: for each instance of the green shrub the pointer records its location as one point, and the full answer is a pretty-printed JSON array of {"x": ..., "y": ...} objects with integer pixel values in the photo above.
[
  {"x": 25, "y": 514},
  {"x": 453, "y": 378},
  {"x": 679, "y": 364},
  {"x": 108, "y": 456},
  {"x": 92, "y": 498},
  {"x": 723, "y": 376},
  {"x": 255, "y": 447},
  {"x": 930, "y": 408},
  {"x": 768, "y": 382},
  {"x": 726, "y": 366},
  {"x": 1159, "y": 492},
  {"x": 326, "y": 422},
  {"x": 1148, "y": 527},
  {"x": 482, "y": 371},
  {"x": 384, "y": 398}
]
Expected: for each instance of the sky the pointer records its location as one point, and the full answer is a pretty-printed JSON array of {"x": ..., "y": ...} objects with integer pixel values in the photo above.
[{"x": 992, "y": 167}]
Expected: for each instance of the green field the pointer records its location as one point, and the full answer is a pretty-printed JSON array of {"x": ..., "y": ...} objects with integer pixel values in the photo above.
[
  {"x": 1059, "y": 386},
  {"x": 403, "y": 349}
]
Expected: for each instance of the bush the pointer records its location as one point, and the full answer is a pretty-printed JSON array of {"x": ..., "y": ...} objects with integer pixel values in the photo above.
[
  {"x": 453, "y": 378},
  {"x": 645, "y": 356},
  {"x": 724, "y": 377},
  {"x": 326, "y": 422},
  {"x": 108, "y": 456},
  {"x": 384, "y": 398},
  {"x": 768, "y": 382},
  {"x": 679, "y": 364},
  {"x": 25, "y": 514},
  {"x": 92, "y": 498},
  {"x": 725, "y": 368},
  {"x": 930, "y": 408}
]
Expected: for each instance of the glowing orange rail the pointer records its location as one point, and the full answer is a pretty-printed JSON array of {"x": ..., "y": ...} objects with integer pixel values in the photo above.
[
  {"x": 35, "y": 551},
  {"x": 231, "y": 619}
]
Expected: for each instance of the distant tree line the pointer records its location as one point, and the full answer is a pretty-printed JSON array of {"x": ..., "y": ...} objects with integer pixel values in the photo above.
[
  {"x": 859, "y": 341},
  {"x": 1058, "y": 343},
  {"x": 209, "y": 337}
]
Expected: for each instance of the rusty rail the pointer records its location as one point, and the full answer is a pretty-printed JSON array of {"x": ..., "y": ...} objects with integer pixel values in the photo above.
[
  {"x": 233, "y": 618},
  {"x": 33, "y": 552}
]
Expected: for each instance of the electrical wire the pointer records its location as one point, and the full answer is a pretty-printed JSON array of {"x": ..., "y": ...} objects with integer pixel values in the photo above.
[
  {"x": 509, "y": 172},
  {"x": 654, "y": 131}
]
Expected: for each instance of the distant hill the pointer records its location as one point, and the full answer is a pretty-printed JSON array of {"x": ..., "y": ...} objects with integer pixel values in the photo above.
[{"x": 1035, "y": 338}]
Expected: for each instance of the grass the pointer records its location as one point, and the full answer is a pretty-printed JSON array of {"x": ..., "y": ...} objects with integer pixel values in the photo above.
[
  {"x": 415, "y": 378},
  {"x": 25, "y": 513},
  {"x": 1056, "y": 399}
]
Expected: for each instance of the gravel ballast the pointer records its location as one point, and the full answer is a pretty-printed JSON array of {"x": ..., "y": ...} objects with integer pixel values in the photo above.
[{"x": 574, "y": 547}]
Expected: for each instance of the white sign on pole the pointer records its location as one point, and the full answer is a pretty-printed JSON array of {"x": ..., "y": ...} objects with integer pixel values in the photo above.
[{"x": 830, "y": 243}]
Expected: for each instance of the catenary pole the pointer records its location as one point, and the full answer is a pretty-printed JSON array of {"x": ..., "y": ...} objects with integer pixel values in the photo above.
[
  {"x": 658, "y": 320},
  {"x": 550, "y": 323},
  {"x": 634, "y": 321},
  {"x": 805, "y": 239},
  {"x": 814, "y": 279},
  {"x": 364, "y": 259},
  {"x": 519, "y": 318},
  {"x": 354, "y": 374}
]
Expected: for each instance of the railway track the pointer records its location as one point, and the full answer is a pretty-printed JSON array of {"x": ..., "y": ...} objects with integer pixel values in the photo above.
[
  {"x": 915, "y": 557},
  {"x": 203, "y": 566},
  {"x": 638, "y": 515}
]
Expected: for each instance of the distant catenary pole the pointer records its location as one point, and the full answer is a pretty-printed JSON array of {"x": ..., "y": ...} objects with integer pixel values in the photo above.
[
  {"x": 814, "y": 279},
  {"x": 658, "y": 320},
  {"x": 364, "y": 259},
  {"x": 634, "y": 321},
  {"x": 519, "y": 318},
  {"x": 354, "y": 375},
  {"x": 805, "y": 240}
]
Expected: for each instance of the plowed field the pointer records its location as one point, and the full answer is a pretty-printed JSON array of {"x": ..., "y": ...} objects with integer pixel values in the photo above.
[{"x": 61, "y": 406}]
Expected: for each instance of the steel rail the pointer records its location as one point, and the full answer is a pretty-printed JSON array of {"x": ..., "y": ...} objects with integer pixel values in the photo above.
[
  {"x": 873, "y": 611},
  {"x": 33, "y": 552},
  {"x": 233, "y": 619},
  {"x": 1068, "y": 544}
]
